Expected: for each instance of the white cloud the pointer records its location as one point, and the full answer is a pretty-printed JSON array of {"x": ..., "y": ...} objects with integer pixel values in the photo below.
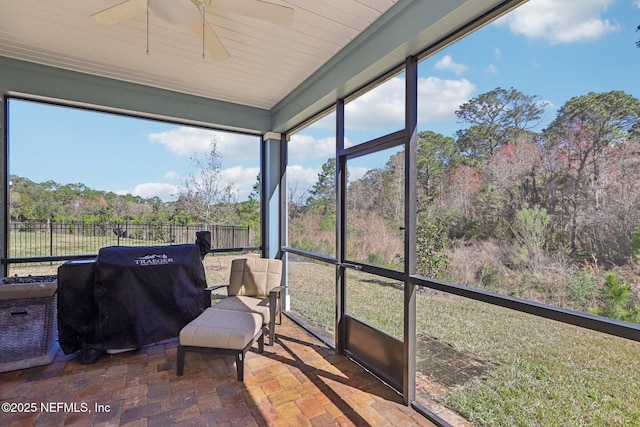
[
  {"x": 300, "y": 180},
  {"x": 491, "y": 69},
  {"x": 549, "y": 109},
  {"x": 382, "y": 107},
  {"x": 302, "y": 146},
  {"x": 239, "y": 147},
  {"x": 439, "y": 98},
  {"x": 637, "y": 3},
  {"x": 356, "y": 117},
  {"x": 241, "y": 178},
  {"x": 164, "y": 191},
  {"x": 447, "y": 63},
  {"x": 173, "y": 176},
  {"x": 547, "y": 105},
  {"x": 355, "y": 173},
  {"x": 561, "y": 21},
  {"x": 190, "y": 141},
  {"x": 184, "y": 141},
  {"x": 187, "y": 141}
]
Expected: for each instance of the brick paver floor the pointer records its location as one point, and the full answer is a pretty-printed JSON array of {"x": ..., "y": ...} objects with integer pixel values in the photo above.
[{"x": 296, "y": 382}]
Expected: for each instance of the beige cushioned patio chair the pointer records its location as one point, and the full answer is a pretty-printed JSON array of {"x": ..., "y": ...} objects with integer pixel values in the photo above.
[{"x": 254, "y": 287}]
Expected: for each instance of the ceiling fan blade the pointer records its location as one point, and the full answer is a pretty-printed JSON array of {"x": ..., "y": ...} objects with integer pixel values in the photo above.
[
  {"x": 212, "y": 43},
  {"x": 120, "y": 12},
  {"x": 271, "y": 12}
]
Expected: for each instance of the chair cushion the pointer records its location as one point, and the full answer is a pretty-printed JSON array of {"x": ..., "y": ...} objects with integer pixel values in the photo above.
[
  {"x": 216, "y": 328},
  {"x": 254, "y": 276},
  {"x": 247, "y": 305}
]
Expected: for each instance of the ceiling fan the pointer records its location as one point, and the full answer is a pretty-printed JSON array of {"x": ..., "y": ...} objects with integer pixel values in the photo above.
[{"x": 191, "y": 14}]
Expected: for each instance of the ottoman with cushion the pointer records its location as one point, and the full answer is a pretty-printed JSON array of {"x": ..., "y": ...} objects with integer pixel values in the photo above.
[{"x": 222, "y": 332}]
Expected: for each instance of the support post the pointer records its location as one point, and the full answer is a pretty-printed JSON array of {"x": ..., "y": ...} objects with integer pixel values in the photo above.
[
  {"x": 270, "y": 194},
  {"x": 410, "y": 228},
  {"x": 4, "y": 185},
  {"x": 341, "y": 230}
]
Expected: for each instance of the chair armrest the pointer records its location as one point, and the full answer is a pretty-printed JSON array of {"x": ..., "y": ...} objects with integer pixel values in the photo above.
[
  {"x": 206, "y": 294},
  {"x": 277, "y": 290},
  {"x": 215, "y": 287},
  {"x": 275, "y": 304},
  {"x": 274, "y": 296}
]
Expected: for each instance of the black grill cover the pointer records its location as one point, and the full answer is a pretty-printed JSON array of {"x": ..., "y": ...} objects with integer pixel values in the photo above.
[
  {"x": 147, "y": 294},
  {"x": 77, "y": 310},
  {"x": 203, "y": 240}
]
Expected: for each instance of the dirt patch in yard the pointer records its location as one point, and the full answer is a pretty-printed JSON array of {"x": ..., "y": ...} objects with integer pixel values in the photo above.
[{"x": 441, "y": 368}]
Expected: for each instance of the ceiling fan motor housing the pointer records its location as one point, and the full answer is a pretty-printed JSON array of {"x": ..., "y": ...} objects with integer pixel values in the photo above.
[{"x": 183, "y": 13}]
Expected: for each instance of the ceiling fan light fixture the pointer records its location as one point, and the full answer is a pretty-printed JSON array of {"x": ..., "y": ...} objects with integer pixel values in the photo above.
[{"x": 183, "y": 13}]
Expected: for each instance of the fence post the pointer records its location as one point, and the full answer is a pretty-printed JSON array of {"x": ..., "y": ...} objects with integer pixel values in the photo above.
[{"x": 50, "y": 238}]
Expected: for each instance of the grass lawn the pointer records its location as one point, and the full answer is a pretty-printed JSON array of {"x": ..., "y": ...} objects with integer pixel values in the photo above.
[{"x": 546, "y": 373}]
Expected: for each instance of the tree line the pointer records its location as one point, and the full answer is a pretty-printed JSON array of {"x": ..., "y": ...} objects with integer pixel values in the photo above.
[
  {"x": 201, "y": 199},
  {"x": 573, "y": 187},
  {"x": 577, "y": 182},
  {"x": 566, "y": 196}
]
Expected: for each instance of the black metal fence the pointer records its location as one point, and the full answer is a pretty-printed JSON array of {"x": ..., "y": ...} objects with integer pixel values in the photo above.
[{"x": 41, "y": 239}]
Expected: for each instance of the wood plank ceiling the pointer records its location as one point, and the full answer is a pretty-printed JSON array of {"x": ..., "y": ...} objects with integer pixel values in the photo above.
[{"x": 267, "y": 61}]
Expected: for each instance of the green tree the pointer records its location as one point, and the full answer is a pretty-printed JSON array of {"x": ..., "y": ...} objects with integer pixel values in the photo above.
[
  {"x": 21, "y": 206},
  {"x": 255, "y": 190},
  {"x": 495, "y": 118},
  {"x": 180, "y": 217},
  {"x": 30, "y": 201},
  {"x": 390, "y": 202},
  {"x": 323, "y": 192},
  {"x": 436, "y": 153},
  {"x": 248, "y": 212},
  {"x": 20, "y": 201}
]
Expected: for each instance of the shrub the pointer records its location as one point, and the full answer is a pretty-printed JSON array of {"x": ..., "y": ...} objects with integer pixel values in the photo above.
[
  {"x": 432, "y": 238},
  {"x": 488, "y": 277},
  {"x": 635, "y": 243},
  {"x": 530, "y": 228},
  {"x": 616, "y": 299},
  {"x": 582, "y": 290}
]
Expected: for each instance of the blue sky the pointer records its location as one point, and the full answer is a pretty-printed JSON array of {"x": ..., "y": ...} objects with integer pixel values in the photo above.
[{"x": 553, "y": 49}]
